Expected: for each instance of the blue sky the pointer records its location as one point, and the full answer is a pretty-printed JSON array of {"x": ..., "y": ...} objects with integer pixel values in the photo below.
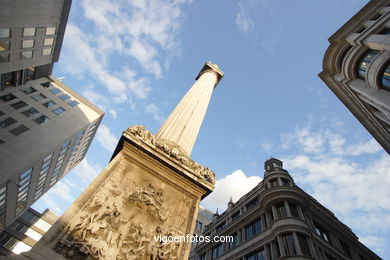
[{"x": 136, "y": 59}]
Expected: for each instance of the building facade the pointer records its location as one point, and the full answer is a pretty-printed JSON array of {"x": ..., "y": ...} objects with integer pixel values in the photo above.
[
  {"x": 45, "y": 130},
  {"x": 31, "y": 35},
  {"x": 26, "y": 231},
  {"x": 45, "y": 127},
  {"x": 204, "y": 218},
  {"x": 278, "y": 220},
  {"x": 356, "y": 67}
]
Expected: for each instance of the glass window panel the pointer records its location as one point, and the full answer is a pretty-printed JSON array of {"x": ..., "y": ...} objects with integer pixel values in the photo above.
[
  {"x": 30, "y": 217},
  {"x": 4, "y": 45},
  {"x": 49, "y": 104},
  {"x": 64, "y": 97},
  {"x": 26, "y": 173},
  {"x": 46, "y": 51},
  {"x": 364, "y": 62},
  {"x": 48, "y": 42},
  {"x": 386, "y": 78},
  {"x": 48, "y": 157},
  {"x": 27, "y": 44},
  {"x": 28, "y": 90},
  {"x": 4, "y": 57},
  {"x": 7, "y": 122},
  {"x": 7, "y": 97},
  {"x": 29, "y": 31},
  {"x": 30, "y": 112},
  {"x": 19, "y": 130},
  {"x": 304, "y": 245},
  {"x": 26, "y": 55},
  {"x": 19, "y": 105},
  {"x": 38, "y": 97},
  {"x": 40, "y": 120},
  {"x": 50, "y": 30},
  {"x": 289, "y": 245},
  {"x": 5, "y": 32},
  {"x": 55, "y": 90},
  {"x": 3, "y": 189},
  {"x": 58, "y": 111}
]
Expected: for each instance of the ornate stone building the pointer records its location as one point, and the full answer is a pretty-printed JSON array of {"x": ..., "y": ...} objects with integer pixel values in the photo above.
[
  {"x": 278, "y": 220},
  {"x": 356, "y": 67}
]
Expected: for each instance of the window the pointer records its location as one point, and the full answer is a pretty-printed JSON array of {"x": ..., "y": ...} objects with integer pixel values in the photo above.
[
  {"x": 253, "y": 229},
  {"x": 385, "y": 80},
  {"x": 26, "y": 55},
  {"x": 18, "y": 105},
  {"x": 321, "y": 232},
  {"x": 4, "y": 45},
  {"x": 220, "y": 226},
  {"x": 19, "y": 130},
  {"x": 235, "y": 242},
  {"x": 73, "y": 103},
  {"x": 251, "y": 204},
  {"x": 58, "y": 111},
  {"x": 46, "y": 51},
  {"x": 38, "y": 97},
  {"x": 274, "y": 182},
  {"x": 64, "y": 97},
  {"x": 7, "y": 97},
  {"x": 202, "y": 257},
  {"x": 27, "y": 44},
  {"x": 364, "y": 62},
  {"x": 48, "y": 42},
  {"x": 304, "y": 245},
  {"x": 281, "y": 210},
  {"x": 199, "y": 225},
  {"x": 41, "y": 119},
  {"x": 293, "y": 210},
  {"x": 235, "y": 215},
  {"x": 259, "y": 255},
  {"x": 28, "y": 32},
  {"x": 289, "y": 245},
  {"x": 28, "y": 90},
  {"x": 4, "y": 57},
  {"x": 216, "y": 252},
  {"x": 7, "y": 122},
  {"x": 285, "y": 182},
  {"x": 5, "y": 32},
  {"x": 55, "y": 90},
  {"x": 49, "y": 104},
  {"x": 30, "y": 112},
  {"x": 50, "y": 30}
]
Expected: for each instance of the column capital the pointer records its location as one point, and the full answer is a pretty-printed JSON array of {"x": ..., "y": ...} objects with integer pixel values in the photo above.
[{"x": 208, "y": 66}]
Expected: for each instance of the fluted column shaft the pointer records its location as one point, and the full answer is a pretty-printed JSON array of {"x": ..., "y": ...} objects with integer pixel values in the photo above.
[{"x": 183, "y": 125}]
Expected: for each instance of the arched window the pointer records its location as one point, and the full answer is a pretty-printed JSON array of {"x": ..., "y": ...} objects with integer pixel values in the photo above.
[
  {"x": 385, "y": 78},
  {"x": 363, "y": 63}
]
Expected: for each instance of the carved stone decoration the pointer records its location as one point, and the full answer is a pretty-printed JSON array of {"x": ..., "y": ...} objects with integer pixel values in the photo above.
[
  {"x": 119, "y": 224},
  {"x": 172, "y": 150}
]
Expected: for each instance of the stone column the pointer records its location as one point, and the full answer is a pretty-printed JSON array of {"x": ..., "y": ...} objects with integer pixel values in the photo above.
[
  {"x": 150, "y": 188},
  {"x": 183, "y": 125}
]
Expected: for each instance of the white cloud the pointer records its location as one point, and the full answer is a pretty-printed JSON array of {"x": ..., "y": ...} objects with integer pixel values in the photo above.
[
  {"x": 86, "y": 171},
  {"x": 243, "y": 19},
  {"x": 106, "y": 139},
  {"x": 335, "y": 169},
  {"x": 370, "y": 146},
  {"x": 52, "y": 204},
  {"x": 62, "y": 190},
  {"x": 115, "y": 35},
  {"x": 154, "y": 110},
  {"x": 234, "y": 185}
]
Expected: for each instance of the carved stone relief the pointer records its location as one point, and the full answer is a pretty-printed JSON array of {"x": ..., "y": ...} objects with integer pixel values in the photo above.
[
  {"x": 119, "y": 222},
  {"x": 173, "y": 150}
]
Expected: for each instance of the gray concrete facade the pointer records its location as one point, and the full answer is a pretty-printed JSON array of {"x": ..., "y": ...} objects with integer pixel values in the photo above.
[
  {"x": 46, "y": 129},
  {"x": 356, "y": 67},
  {"x": 278, "y": 220}
]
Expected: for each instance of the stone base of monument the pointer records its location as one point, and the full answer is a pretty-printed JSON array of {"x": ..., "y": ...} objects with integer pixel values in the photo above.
[{"x": 149, "y": 189}]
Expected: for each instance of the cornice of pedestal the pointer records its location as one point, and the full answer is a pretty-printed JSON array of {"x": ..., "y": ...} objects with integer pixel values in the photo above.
[
  {"x": 169, "y": 154},
  {"x": 208, "y": 66}
]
